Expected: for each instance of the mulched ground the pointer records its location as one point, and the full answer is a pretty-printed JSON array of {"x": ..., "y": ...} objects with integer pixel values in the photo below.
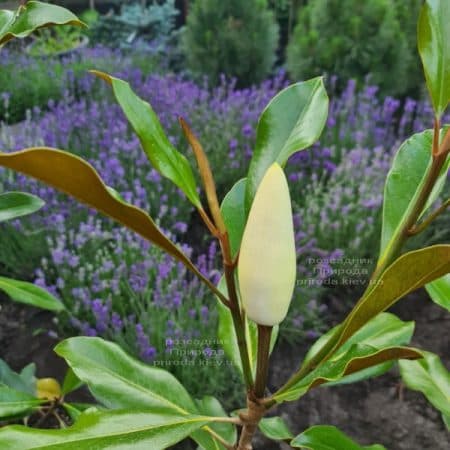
[{"x": 373, "y": 411}]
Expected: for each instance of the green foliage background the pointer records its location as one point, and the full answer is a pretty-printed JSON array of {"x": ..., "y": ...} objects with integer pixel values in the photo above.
[
  {"x": 232, "y": 37},
  {"x": 352, "y": 39}
]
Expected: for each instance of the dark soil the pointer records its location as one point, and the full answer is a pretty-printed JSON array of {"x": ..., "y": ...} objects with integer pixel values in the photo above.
[
  {"x": 24, "y": 338},
  {"x": 373, "y": 411}
]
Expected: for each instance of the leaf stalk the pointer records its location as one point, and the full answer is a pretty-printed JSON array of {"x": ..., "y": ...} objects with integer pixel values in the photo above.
[{"x": 422, "y": 226}]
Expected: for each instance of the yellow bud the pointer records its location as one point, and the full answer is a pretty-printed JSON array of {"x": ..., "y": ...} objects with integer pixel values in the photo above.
[
  {"x": 267, "y": 260},
  {"x": 48, "y": 388}
]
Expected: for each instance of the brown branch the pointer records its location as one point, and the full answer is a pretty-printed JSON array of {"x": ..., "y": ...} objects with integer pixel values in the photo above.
[{"x": 251, "y": 418}]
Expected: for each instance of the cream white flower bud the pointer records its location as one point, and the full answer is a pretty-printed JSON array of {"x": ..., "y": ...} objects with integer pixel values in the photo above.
[{"x": 267, "y": 260}]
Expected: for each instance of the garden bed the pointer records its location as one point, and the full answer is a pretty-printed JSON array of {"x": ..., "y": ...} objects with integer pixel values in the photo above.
[
  {"x": 363, "y": 175},
  {"x": 377, "y": 410}
]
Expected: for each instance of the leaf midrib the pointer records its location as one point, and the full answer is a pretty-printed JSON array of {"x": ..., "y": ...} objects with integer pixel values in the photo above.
[
  {"x": 300, "y": 118},
  {"x": 442, "y": 66},
  {"x": 123, "y": 433},
  {"x": 405, "y": 215},
  {"x": 176, "y": 160},
  {"x": 306, "y": 387},
  {"x": 413, "y": 287},
  {"x": 21, "y": 403},
  {"x": 133, "y": 384}
]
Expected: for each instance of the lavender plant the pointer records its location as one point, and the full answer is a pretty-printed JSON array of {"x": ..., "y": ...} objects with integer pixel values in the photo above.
[
  {"x": 22, "y": 392},
  {"x": 96, "y": 128},
  {"x": 146, "y": 407},
  {"x": 18, "y": 204}
]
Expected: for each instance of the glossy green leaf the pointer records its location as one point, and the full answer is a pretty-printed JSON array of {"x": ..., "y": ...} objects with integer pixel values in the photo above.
[
  {"x": 434, "y": 48},
  {"x": 210, "y": 406},
  {"x": 292, "y": 121},
  {"x": 275, "y": 428},
  {"x": 71, "y": 382},
  {"x": 85, "y": 406},
  {"x": 358, "y": 358},
  {"x": 23, "y": 382},
  {"x": 14, "y": 403},
  {"x": 118, "y": 430},
  {"x": 76, "y": 409},
  {"x": 159, "y": 150},
  {"x": 32, "y": 16},
  {"x": 28, "y": 376},
  {"x": 403, "y": 185},
  {"x": 439, "y": 291},
  {"x": 384, "y": 330},
  {"x": 446, "y": 420},
  {"x": 18, "y": 204},
  {"x": 234, "y": 216},
  {"x": 74, "y": 176},
  {"x": 227, "y": 335},
  {"x": 30, "y": 294},
  {"x": 429, "y": 376},
  {"x": 119, "y": 381},
  {"x": 327, "y": 437},
  {"x": 72, "y": 411}
]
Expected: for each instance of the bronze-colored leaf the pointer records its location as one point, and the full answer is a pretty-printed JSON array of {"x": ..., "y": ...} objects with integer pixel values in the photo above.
[{"x": 74, "y": 176}]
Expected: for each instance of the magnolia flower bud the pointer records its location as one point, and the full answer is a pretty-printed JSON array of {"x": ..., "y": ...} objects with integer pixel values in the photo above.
[{"x": 267, "y": 259}]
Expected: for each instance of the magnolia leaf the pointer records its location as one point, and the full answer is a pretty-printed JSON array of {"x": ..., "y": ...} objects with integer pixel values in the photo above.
[
  {"x": 359, "y": 357},
  {"x": 446, "y": 420},
  {"x": 74, "y": 176},
  {"x": 234, "y": 216},
  {"x": 76, "y": 409},
  {"x": 408, "y": 273},
  {"x": 15, "y": 403},
  {"x": 275, "y": 428},
  {"x": 429, "y": 376},
  {"x": 71, "y": 382},
  {"x": 142, "y": 430},
  {"x": 28, "y": 376},
  {"x": 439, "y": 291},
  {"x": 404, "y": 183},
  {"x": 73, "y": 412},
  {"x": 32, "y": 16},
  {"x": 18, "y": 204},
  {"x": 23, "y": 382},
  {"x": 227, "y": 335},
  {"x": 161, "y": 153},
  {"x": 30, "y": 294},
  {"x": 119, "y": 381},
  {"x": 292, "y": 121},
  {"x": 327, "y": 437},
  {"x": 384, "y": 330},
  {"x": 434, "y": 49},
  {"x": 210, "y": 406}
]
